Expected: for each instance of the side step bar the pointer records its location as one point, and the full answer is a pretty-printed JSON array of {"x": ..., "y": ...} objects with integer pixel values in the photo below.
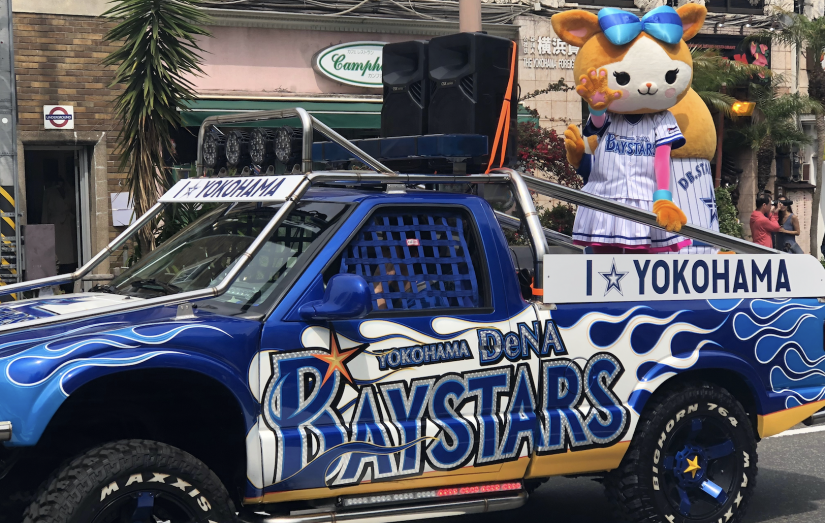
[
  {"x": 816, "y": 419},
  {"x": 400, "y": 513}
]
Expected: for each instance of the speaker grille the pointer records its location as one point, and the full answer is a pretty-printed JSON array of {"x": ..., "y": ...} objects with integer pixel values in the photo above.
[
  {"x": 415, "y": 92},
  {"x": 466, "y": 84}
]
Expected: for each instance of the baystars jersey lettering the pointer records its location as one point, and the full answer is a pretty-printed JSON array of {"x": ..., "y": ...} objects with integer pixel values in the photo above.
[{"x": 623, "y": 161}]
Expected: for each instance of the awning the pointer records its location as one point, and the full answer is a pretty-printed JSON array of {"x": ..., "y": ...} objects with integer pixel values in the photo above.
[{"x": 338, "y": 115}]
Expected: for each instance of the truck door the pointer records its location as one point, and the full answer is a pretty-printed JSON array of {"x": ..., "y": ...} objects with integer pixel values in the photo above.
[{"x": 403, "y": 393}]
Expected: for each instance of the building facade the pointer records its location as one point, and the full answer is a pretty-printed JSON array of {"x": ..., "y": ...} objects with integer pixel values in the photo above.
[{"x": 257, "y": 59}]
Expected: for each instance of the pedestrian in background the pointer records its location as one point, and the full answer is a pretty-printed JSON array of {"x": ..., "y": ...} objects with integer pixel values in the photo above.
[
  {"x": 786, "y": 237},
  {"x": 764, "y": 222}
]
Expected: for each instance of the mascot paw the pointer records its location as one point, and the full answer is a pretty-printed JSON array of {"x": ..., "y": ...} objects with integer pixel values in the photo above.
[
  {"x": 669, "y": 215},
  {"x": 593, "y": 88},
  {"x": 574, "y": 145}
]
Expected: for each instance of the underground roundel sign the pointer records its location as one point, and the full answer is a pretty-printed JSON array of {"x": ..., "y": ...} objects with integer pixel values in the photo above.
[
  {"x": 58, "y": 116},
  {"x": 353, "y": 63}
]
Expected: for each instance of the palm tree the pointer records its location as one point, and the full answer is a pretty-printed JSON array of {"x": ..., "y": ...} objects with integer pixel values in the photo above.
[
  {"x": 158, "y": 53},
  {"x": 774, "y": 123},
  {"x": 808, "y": 36},
  {"x": 712, "y": 71}
]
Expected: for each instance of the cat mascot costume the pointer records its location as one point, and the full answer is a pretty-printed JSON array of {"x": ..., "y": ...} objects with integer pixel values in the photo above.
[{"x": 631, "y": 71}]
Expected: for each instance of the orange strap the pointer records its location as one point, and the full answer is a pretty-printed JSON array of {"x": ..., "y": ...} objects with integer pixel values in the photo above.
[{"x": 504, "y": 118}]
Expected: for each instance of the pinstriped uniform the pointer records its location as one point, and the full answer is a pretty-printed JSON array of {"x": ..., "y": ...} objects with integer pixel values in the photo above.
[
  {"x": 623, "y": 170},
  {"x": 692, "y": 186}
]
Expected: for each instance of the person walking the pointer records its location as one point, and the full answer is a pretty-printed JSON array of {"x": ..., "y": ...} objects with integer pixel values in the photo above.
[
  {"x": 764, "y": 222},
  {"x": 786, "y": 237}
]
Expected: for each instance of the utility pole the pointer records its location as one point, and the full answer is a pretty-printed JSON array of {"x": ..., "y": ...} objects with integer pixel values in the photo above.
[
  {"x": 9, "y": 226},
  {"x": 469, "y": 16}
]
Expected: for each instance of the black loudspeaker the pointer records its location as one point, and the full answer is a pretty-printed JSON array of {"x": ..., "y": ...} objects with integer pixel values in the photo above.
[
  {"x": 469, "y": 74},
  {"x": 406, "y": 89}
]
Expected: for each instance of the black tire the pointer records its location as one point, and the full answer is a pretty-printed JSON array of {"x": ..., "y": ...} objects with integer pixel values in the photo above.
[
  {"x": 109, "y": 482},
  {"x": 650, "y": 484}
]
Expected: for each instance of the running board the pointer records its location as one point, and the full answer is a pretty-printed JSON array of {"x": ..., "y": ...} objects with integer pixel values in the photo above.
[
  {"x": 399, "y": 513},
  {"x": 816, "y": 419}
]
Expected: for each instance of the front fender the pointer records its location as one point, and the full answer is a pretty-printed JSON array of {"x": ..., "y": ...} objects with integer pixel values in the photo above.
[
  {"x": 661, "y": 372},
  {"x": 34, "y": 383}
]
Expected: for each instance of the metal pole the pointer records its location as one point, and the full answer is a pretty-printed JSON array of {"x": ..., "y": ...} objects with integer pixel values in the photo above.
[
  {"x": 91, "y": 264},
  {"x": 469, "y": 16},
  {"x": 8, "y": 147},
  {"x": 640, "y": 216}
]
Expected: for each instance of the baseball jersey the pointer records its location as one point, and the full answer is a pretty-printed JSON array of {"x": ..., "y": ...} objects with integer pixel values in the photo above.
[
  {"x": 622, "y": 165},
  {"x": 692, "y": 186}
]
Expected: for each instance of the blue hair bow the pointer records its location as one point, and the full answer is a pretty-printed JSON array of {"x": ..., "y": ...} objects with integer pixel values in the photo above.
[{"x": 621, "y": 27}]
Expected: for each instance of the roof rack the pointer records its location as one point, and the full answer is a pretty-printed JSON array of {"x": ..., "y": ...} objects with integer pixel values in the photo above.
[{"x": 301, "y": 183}]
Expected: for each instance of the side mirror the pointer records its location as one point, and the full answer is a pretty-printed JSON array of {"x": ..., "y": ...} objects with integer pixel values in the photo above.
[{"x": 347, "y": 297}]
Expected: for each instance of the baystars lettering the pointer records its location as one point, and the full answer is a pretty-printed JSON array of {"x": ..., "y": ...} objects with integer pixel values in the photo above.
[{"x": 628, "y": 146}]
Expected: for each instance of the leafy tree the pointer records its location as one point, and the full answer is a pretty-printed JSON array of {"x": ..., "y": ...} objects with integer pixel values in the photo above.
[
  {"x": 712, "y": 71},
  {"x": 773, "y": 123},
  {"x": 158, "y": 54},
  {"x": 541, "y": 153},
  {"x": 727, "y": 213},
  {"x": 808, "y": 36}
]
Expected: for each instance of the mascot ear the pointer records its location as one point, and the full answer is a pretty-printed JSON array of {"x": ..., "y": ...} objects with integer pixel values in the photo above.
[
  {"x": 576, "y": 27},
  {"x": 693, "y": 17}
]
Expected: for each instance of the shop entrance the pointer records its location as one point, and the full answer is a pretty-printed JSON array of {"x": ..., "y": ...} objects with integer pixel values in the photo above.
[{"x": 57, "y": 192}]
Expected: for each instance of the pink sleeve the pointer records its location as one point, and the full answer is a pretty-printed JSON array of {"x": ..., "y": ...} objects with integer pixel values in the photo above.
[
  {"x": 661, "y": 165},
  {"x": 598, "y": 121},
  {"x": 773, "y": 224}
]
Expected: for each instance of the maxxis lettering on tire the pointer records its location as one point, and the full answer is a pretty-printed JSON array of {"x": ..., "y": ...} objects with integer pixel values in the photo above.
[{"x": 131, "y": 479}]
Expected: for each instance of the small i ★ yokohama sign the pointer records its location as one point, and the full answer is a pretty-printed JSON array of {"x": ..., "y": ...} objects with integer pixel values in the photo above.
[{"x": 58, "y": 116}]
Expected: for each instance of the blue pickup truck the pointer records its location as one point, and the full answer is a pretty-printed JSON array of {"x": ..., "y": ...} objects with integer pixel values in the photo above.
[{"x": 353, "y": 346}]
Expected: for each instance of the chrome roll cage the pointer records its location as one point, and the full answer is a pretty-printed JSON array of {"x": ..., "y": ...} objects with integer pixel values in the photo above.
[{"x": 520, "y": 185}]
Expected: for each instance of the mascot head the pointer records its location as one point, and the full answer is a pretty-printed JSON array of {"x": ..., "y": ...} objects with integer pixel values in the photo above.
[{"x": 646, "y": 59}]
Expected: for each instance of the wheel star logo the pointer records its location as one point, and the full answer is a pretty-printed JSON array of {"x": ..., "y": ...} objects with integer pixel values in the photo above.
[
  {"x": 693, "y": 466},
  {"x": 613, "y": 279},
  {"x": 337, "y": 359}
]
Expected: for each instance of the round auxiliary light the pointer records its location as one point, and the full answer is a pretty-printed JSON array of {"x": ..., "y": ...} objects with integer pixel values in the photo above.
[
  {"x": 262, "y": 146},
  {"x": 237, "y": 148},
  {"x": 287, "y": 145},
  {"x": 214, "y": 149}
]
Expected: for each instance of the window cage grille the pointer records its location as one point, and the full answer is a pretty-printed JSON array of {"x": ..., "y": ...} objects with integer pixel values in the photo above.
[{"x": 415, "y": 261}]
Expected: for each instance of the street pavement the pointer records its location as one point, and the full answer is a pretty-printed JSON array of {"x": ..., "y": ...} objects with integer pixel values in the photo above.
[{"x": 790, "y": 488}]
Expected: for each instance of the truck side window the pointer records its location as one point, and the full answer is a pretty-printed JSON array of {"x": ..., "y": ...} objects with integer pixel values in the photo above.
[{"x": 417, "y": 259}]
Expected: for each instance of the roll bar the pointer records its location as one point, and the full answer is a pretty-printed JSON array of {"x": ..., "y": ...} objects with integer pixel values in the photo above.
[{"x": 520, "y": 186}]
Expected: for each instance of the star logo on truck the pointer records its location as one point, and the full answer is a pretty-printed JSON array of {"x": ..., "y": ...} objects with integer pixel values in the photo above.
[
  {"x": 613, "y": 279},
  {"x": 337, "y": 359}
]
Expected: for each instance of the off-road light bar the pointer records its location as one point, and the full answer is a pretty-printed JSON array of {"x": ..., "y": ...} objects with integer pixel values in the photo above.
[
  {"x": 412, "y": 496},
  {"x": 262, "y": 146},
  {"x": 214, "y": 149},
  {"x": 288, "y": 145},
  {"x": 237, "y": 149}
]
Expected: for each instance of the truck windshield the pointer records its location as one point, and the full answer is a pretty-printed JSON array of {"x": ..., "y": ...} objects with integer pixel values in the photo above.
[{"x": 201, "y": 255}]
